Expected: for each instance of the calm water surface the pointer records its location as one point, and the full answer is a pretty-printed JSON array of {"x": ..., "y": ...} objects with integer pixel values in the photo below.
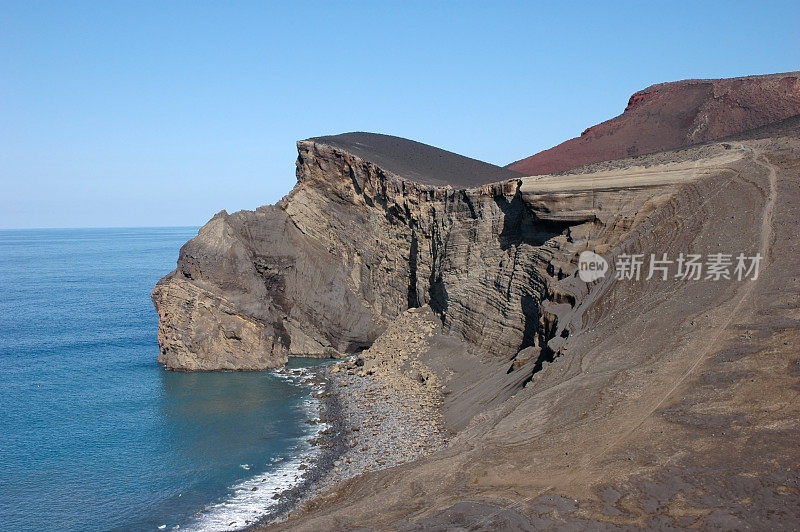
[{"x": 95, "y": 434}]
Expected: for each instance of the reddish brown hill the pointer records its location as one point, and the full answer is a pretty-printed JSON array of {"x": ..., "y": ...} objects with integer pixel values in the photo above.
[{"x": 674, "y": 115}]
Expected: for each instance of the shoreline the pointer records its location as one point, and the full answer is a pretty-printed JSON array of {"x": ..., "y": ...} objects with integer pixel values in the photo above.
[
  {"x": 373, "y": 423},
  {"x": 330, "y": 442},
  {"x": 266, "y": 496},
  {"x": 316, "y": 462}
]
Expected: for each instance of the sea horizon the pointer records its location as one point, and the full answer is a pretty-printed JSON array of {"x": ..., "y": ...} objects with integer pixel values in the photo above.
[
  {"x": 99, "y": 435},
  {"x": 77, "y": 228}
]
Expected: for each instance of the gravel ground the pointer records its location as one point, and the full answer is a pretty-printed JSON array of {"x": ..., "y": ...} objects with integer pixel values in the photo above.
[
  {"x": 371, "y": 425},
  {"x": 382, "y": 428}
]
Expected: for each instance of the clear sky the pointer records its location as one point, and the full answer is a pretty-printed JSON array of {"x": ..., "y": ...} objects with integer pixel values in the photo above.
[{"x": 163, "y": 113}]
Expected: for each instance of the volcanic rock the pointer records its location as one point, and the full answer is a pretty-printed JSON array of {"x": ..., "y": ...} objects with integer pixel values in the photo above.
[{"x": 675, "y": 115}]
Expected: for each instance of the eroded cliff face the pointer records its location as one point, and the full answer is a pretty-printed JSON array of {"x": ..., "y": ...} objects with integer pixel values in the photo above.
[
  {"x": 328, "y": 269},
  {"x": 352, "y": 246},
  {"x": 324, "y": 272}
]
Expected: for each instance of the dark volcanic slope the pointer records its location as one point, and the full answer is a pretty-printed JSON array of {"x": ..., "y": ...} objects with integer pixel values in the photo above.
[
  {"x": 675, "y": 115},
  {"x": 418, "y": 162}
]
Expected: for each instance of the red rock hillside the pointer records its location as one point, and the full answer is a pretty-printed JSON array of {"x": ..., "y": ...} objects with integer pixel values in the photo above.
[{"x": 674, "y": 115}]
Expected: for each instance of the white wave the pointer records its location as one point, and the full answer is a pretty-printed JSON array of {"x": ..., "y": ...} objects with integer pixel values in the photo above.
[{"x": 246, "y": 505}]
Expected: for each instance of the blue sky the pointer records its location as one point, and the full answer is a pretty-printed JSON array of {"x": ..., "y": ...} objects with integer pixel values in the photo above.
[{"x": 163, "y": 113}]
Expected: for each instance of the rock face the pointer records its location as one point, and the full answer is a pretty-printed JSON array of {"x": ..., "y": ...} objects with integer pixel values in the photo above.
[
  {"x": 326, "y": 270},
  {"x": 351, "y": 247},
  {"x": 638, "y": 403},
  {"x": 674, "y": 115}
]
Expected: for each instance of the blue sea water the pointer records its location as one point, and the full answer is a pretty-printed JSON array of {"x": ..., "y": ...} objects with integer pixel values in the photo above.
[{"x": 95, "y": 434}]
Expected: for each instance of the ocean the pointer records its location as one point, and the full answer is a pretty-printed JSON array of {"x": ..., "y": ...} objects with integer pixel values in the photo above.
[{"x": 95, "y": 434}]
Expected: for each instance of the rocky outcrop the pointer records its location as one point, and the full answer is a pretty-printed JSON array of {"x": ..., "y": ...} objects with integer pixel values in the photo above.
[
  {"x": 323, "y": 272},
  {"x": 378, "y": 224},
  {"x": 675, "y": 115},
  {"x": 352, "y": 246},
  {"x": 611, "y": 403}
]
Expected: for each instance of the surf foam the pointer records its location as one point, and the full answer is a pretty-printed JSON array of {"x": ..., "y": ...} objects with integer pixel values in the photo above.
[{"x": 258, "y": 496}]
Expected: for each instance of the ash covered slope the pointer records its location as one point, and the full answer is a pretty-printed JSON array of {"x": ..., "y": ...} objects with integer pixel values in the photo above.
[
  {"x": 674, "y": 115},
  {"x": 418, "y": 162}
]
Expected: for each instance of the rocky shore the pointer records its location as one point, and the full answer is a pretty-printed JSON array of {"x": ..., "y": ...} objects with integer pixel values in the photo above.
[
  {"x": 390, "y": 400},
  {"x": 382, "y": 409},
  {"x": 381, "y": 428}
]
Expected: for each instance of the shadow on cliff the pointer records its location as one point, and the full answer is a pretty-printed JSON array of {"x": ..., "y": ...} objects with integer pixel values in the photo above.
[
  {"x": 437, "y": 291},
  {"x": 520, "y": 226}
]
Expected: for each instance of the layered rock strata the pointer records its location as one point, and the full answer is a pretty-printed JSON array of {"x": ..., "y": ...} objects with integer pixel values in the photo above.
[
  {"x": 352, "y": 246},
  {"x": 323, "y": 272}
]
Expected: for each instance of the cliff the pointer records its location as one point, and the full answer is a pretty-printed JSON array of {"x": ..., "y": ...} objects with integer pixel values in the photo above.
[
  {"x": 673, "y": 115},
  {"x": 354, "y": 244},
  {"x": 661, "y": 403}
]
